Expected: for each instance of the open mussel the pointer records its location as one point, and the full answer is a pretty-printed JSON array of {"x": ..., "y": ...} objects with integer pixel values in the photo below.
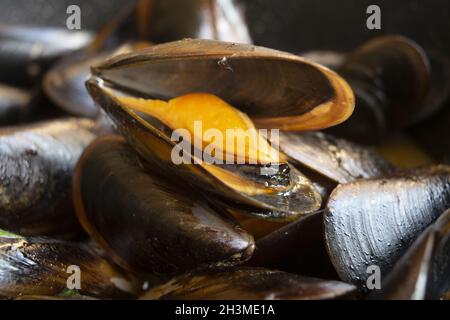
[
  {"x": 374, "y": 221},
  {"x": 36, "y": 165},
  {"x": 39, "y": 266},
  {"x": 148, "y": 224},
  {"x": 391, "y": 78},
  {"x": 183, "y": 67},
  {"x": 248, "y": 284},
  {"x": 64, "y": 83},
  {"x": 424, "y": 271},
  {"x": 27, "y": 52},
  {"x": 282, "y": 194}
]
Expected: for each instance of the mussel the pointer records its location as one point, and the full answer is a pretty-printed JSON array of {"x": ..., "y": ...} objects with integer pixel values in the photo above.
[
  {"x": 36, "y": 165},
  {"x": 149, "y": 225},
  {"x": 374, "y": 221},
  {"x": 390, "y": 77},
  {"x": 27, "y": 52},
  {"x": 227, "y": 70},
  {"x": 424, "y": 271},
  {"x": 248, "y": 284},
  {"x": 64, "y": 83},
  {"x": 298, "y": 248},
  {"x": 39, "y": 266}
]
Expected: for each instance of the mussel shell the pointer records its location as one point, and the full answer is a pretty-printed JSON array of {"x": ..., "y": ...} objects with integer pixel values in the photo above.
[
  {"x": 248, "y": 284},
  {"x": 298, "y": 247},
  {"x": 402, "y": 67},
  {"x": 161, "y": 21},
  {"x": 26, "y": 52},
  {"x": 430, "y": 131},
  {"x": 155, "y": 146},
  {"x": 439, "y": 282},
  {"x": 38, "y": 266},
  {"x": 390, "y": 77},
  {"x": 147, "y": 224},
  {"x": 424, "y": 271},
  {"x": 13, "y": 104},
  {"x": 64, "y": 84},
  {"x": 36, "y": 165},
  {"x": 374, "y": 221},
  {"x": 276, "y": 89},
  {"x": 337, "y": 159}
]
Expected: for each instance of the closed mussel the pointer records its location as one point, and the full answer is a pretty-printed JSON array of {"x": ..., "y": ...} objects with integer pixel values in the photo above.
[
  {"x": 41, "y": 266},
  {"x": 391, "y": 79},
  {"x": 147, "y": 224},
  {"x": 373, "y": 222},
  {"x": 248, "y": 284},
  {"x": 36, "y": 166},
  {"x": 423, "y": 272}
]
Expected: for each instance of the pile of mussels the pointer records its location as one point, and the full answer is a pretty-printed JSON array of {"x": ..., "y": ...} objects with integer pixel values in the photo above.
[{"x": 87, "y": 181}]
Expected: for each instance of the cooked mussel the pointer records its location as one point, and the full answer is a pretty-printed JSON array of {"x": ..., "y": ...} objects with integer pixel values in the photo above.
[
  {"x": 26, "y": 52},
  {"x": 390, "y": 77},
  {"x": 374, "y": 221},
  {"x": 147, "y": 224},
  {"x": 248, "y": 284},
  {"x": 64, "y": 84},
  {"x": 285, "y": 194},
  {"x": 39, "y": 266},
  {"x": 298, "y": 95},
  {"x": 36, "y": 165},
  {"x": 13, "y": 105},
  {"x": 424, "y": 271},
  {"x": 337, "y": 159}
]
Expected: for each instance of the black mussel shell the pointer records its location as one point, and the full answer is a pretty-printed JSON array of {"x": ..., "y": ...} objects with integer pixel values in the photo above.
[{"x": 248, "y": 284}]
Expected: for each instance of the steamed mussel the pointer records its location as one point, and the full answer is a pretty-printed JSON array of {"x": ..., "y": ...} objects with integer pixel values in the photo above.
[
  {"x": 148, "y": 225},
  {"x": 36, "y": 165},
  {"x": 390, "y": 77},
  {"x": 374, "y": 221},
  {"x": 424, "y": 271}
]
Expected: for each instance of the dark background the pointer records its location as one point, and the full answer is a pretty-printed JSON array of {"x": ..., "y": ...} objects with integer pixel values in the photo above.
[{"x": 291, "y": 25}]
